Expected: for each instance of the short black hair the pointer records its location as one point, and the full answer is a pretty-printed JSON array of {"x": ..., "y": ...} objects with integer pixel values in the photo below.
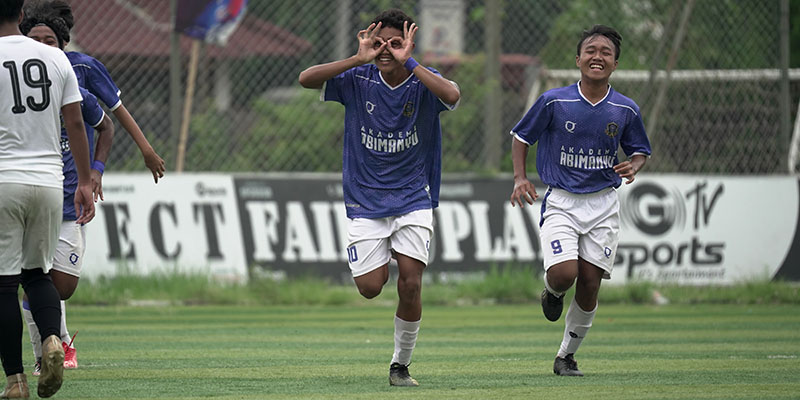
[
  {"x": 9, "y": 10},
  {"x": 393, "y": 18},
  {"x": 48, "y": 17},
  {"x": 602, "y": 30},
  {"x": 60, "y": 8}
]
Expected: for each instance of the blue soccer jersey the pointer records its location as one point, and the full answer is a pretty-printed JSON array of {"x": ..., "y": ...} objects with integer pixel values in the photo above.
[
  {"x": 392, "y": 143},
  {"x": 94, "y": 77},
  {"x": 92, "y": 116},
  {"x": 578, "y": 141}
]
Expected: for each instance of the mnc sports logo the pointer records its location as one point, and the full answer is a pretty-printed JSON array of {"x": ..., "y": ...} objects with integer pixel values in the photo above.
[{"x": 654, "y": 210}]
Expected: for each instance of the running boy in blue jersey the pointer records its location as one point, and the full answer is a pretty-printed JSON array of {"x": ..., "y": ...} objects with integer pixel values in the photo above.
[
  {"x": 50, "y": 29},
  {"x": 392, "y": 164},
  {"x": 579, "y": 129}
]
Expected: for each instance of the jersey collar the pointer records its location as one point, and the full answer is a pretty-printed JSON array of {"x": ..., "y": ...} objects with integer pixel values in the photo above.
[
  {"x": 398, "y": 85},
  {"x": 608, "y": 91}
]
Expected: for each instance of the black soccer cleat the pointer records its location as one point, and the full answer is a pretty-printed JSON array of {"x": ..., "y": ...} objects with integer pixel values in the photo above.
[
  {"x": 552, "y": 306},
  {"x": 398, "y": 376},
  {"x": 566, "y": 366}
]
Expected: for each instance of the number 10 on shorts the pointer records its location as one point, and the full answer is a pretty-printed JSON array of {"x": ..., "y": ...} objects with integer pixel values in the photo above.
[{"x": 352, "y": 254}]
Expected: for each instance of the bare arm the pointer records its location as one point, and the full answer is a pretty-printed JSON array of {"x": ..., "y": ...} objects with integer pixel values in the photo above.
[
  {"x": 369, "y": 46},
  {"x": 79, "y": 145},
  {"x": 523, "y": 188},
  {"x": 628, "y": 169},
  {"x": 437, "y": 84},
  {"x": 151, "y": 159},
  {"x": 105, "y": 136},
  {"x": 314, "y": 77}
]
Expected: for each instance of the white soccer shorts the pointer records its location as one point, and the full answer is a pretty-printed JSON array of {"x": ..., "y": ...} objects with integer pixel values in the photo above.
[
  {"x": 371, "y": 241},
  {"x": 70, "y": 249},
  {"x": 580, "y": 225},
  {"x": 30, "y": 217}
]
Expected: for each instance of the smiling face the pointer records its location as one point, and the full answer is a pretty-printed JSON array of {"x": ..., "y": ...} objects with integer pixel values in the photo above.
[
  {"x": 43, "y": 34},
  {"x": 596, "y": 59},
  {"x": 385, "y": 60}
]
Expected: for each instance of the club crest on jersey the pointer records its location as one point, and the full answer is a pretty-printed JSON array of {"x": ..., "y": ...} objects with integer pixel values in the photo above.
[
  {"x": 612, "y": 129},
  {"x": 408, "y": 109}
]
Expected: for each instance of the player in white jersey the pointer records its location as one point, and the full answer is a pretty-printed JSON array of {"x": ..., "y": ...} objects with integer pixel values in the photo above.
[
  {"x": 37, "y": 83},
  {"x": 391, "y": 165},
  {"x": 579, "y": 129}
]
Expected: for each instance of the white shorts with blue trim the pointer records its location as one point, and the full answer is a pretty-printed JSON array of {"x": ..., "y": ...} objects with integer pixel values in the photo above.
[
  {"x": 580, "y": 225},
  {"x": 372, "y": 241}
]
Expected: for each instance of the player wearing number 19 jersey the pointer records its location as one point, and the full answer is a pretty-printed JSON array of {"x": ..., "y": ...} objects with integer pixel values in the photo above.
[
  {"x": 579, "y": 129},
  {"x": 37, "y": 82},
  {"x": 392, "y": 165}
]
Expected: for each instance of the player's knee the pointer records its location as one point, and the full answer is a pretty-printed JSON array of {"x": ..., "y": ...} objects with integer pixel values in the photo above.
[
  {"x": 371, "y": 284},
  {"x": 560, "y": 282},
  {"x": 589, "y": 286},
  {"x": 65, "y": 284},
  {"x": 370, "y": 290},
  {"x": 562, "y": 276},
  {"x": 409, "y": 287},
  {"x": 65, "y": 293}
]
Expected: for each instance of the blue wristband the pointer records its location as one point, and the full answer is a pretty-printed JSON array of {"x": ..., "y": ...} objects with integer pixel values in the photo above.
[
  {"x": 411, "y": 63},
  {"x": 99, "y": 166}
]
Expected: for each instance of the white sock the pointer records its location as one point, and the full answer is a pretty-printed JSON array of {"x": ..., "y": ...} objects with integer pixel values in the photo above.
[
  {"x": 577, "y": 324},
  {"x": 549, "y": 289},
  {"x": 64, "y": 332},
  {"x": 33, "y": 331},
  {"x": 405, "y": 338}
]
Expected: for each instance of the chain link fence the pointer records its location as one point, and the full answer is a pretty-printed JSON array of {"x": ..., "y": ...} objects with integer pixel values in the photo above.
[{"x": 707, "y": 75}]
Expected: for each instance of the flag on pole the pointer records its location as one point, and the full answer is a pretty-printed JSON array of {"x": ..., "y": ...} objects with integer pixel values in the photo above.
[{"x": 210, "y": 20}]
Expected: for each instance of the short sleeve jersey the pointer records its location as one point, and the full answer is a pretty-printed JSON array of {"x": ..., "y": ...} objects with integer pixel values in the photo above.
[
  {"x": 578, "y": 141},
  {"x": 94, "y": 77},
  {"x": 392, "y": 143},
  {"x": 92, "y": 117},
  {"x": 35, "y": 82}
]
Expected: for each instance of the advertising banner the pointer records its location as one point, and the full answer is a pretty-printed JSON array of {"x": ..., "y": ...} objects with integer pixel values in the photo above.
[
  {"x": 187, "y": 223},
  {"x": 674, "y": 228},
  {"x": 705, "y": 229}
]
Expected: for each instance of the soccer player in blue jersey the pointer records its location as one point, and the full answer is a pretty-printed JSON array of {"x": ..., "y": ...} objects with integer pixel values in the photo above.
[
  {"x": 50, "y": 29},
  {"x": 94, "y": 77},
  {"x": 391, "y": 164},
  {"x": 579, "y": 129}
]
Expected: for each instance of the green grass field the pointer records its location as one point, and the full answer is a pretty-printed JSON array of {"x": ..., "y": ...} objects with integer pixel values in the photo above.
[{"x": 469, "y": 352}]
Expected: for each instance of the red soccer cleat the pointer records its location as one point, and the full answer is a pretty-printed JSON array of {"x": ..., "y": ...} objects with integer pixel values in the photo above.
[{"x": 70, "y": 356}]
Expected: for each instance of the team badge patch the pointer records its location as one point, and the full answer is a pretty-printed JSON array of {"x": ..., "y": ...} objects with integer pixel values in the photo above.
[
  {"x": 612, "y": 129},
  {"x": 408, "y": 109}
]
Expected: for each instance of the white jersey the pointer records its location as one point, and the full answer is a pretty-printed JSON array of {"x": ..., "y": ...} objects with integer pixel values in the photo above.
[{"x": 36, "y": 80}]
